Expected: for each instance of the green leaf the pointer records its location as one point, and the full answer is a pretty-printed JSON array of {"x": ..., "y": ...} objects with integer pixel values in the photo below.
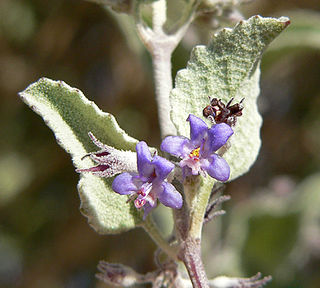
[
  {"x": 70, "y": 115},
  {"x": 228, "y": 67}
]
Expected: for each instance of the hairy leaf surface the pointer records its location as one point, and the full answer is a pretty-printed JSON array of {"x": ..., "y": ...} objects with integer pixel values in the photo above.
[
  {"x": 70, "y": 115},
  {"x": 228, "y": 67}
]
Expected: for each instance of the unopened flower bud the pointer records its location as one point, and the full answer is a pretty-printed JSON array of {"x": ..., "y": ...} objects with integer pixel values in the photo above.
[
  {"x": 110, "y": 161},
  {"x": 117, "y": 274}
]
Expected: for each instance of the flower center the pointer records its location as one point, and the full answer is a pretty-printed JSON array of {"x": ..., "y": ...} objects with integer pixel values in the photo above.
[
  {"x": 194, "y": 154},
  {"x": 142, "y": 195},
  {"x": 138, "y": 203},
  {"x": 192, "y": 160}
]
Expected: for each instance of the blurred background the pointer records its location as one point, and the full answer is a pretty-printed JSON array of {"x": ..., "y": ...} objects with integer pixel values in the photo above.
[{"x": 273, "y": 219}]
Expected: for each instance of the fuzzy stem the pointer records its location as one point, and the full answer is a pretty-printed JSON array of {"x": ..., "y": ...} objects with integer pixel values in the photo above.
[
  {"x": 191, "y": 257},
  {"x": 198, "y": 195},
  {"x": 190, "y": 235},
  {"x": 199, "y": 209},
  {"x": 161, "y": 45},
  {"x": 162, "y": 48},
  {"x": 163, "y": 85},
  {"x": 153, "y": 231},
  {"x": 159, "y": 15}
]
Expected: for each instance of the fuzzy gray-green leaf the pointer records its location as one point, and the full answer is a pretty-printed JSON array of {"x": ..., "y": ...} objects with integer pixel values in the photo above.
[
  {"x": 70, "y": 115},
  {"x": 228, "y": 67}
]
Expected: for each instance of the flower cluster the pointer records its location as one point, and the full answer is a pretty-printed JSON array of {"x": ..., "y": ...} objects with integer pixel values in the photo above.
[{"x": 149, "y": 183}]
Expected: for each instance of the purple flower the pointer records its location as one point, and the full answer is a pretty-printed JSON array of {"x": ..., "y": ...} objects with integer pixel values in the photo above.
[
  {"x": 150, "y": 183},
  {"x": 198, "y": 153}
]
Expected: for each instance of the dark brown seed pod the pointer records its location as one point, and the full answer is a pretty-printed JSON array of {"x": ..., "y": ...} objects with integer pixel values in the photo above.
[{"x": 218, "y": 112}]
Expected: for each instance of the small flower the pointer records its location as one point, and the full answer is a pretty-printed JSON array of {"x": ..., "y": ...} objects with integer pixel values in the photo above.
[
  {"x": 150, "y": 183},
  {"x": 198, "y": 152},
  {"x": 110, "y": 161}
]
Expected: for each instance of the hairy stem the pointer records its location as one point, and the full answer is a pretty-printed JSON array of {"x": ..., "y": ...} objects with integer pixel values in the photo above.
[
  {"x": 153, "y": 231},
  {"x": 189, "y": 222},
  {"x": 163, "y": 85},
  {"x": 198, "y": 209},
  {"x": 159, "y": 15},
  {"x": 191, "y": 257},
  {"x": 162, "y": 48},
  {"x": 161, "y": 44}
]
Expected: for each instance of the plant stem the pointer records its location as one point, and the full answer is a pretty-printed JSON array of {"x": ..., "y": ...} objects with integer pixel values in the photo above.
[
  {"x": 191, "y": 257},
  {"x": 159, "y": 16},
  {"x": 197, "y": 193},
  {"x": 161, "y": 45},
  {"x": 198, "y": 210},
  {"x": 162, "y": 48},
  {"x": 163, "y": 84},
  {"x": 189, "y": 222},
  {"x": 153, "y": 231}
]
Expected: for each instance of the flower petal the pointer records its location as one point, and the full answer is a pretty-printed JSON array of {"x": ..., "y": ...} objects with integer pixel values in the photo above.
[
  {"x": 144, "y": 158},
  {"x": 148, "y": 208},
  {"x": 176, "y": 145},
  {"x": 124, "y": 184},
  {"x": 198, "y": 128},
  {"x": 186, "y": 172},
  {"x": 169, "y": 196},
  {"x": 162, "y": 168},
  {"x": 218, "y": 135},
  {"x": 216, "y": 167}
]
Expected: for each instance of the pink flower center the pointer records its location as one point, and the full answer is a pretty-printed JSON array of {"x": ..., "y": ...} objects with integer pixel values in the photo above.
[
  {"x": 143, "y": 195},
  {"x": 192, "y": 160},
  {"x": 139, "y": 203}
]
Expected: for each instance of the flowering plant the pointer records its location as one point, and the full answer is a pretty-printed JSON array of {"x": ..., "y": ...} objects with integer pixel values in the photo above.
[{"x": 128, "y": 175}]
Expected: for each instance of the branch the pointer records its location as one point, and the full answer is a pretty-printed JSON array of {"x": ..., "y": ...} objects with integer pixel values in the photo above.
[
  {"x": 161, "y": 46},
  {"x": 229, "y": 282},
  {"x": 153, "y": 231},
  {"x": 190, "y": 254}
]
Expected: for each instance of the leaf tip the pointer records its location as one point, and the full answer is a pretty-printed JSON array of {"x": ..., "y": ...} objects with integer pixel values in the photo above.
[{"x": 286, "y": 23}]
